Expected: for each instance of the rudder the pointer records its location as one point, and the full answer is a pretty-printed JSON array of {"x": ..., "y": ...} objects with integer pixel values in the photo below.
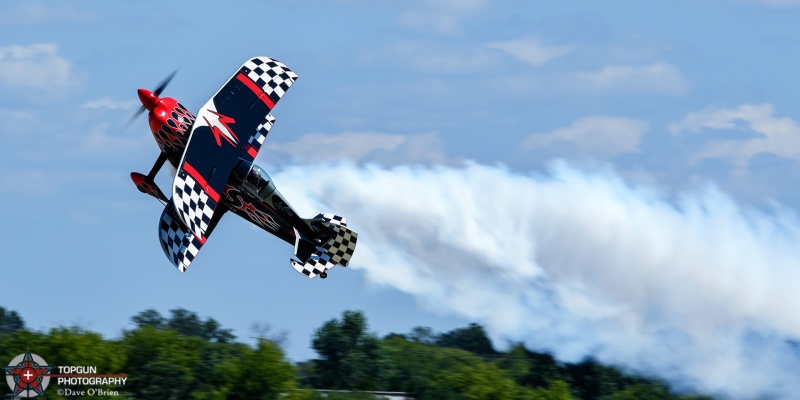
[{"x": 337, "y": 250}]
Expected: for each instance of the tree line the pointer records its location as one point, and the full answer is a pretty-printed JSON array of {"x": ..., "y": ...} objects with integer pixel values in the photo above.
[{"x": 182, "y": 356}]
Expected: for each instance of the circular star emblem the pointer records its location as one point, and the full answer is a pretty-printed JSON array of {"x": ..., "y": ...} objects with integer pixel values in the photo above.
[{"x": 27, "y": 375}]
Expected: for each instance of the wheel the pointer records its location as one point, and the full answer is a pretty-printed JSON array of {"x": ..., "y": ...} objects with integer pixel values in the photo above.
[{"x": 323, "y": 275}]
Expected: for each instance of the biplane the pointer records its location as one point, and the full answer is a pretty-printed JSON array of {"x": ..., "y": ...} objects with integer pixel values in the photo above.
[{"x": 213, "y": 154}]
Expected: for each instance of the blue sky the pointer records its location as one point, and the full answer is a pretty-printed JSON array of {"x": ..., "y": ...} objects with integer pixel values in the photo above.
[{"x": 679, "y": 105}]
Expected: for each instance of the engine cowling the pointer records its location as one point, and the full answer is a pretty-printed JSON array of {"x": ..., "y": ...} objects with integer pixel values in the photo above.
[{"x": 170, "y": 123}]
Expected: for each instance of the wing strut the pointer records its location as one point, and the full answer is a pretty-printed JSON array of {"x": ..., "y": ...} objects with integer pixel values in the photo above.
[{"x": 162, "y": 157}]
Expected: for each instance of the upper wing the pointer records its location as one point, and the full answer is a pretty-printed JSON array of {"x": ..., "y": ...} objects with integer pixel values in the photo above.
[{"x": 231, "y": 126}]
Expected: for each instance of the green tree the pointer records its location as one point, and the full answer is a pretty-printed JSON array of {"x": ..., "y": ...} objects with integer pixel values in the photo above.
[
  {"x": 529, "y": 368},
  {"x": 149, "y": 317},
  {"x": 557, "y": 390},
  {"x": 592, "y": 380},
  {"x": 10, "y": 321},
  {"x": 186, "y": 323},
  {"x": 642, "y": 391},
  {"x": 472, "y": 338},
  {"x": 76, "y": 346},
  {"x": 424, "y": 335},
  {"x": 218, "y": 370},
  {"x": 479, "y": 381},
  {"x": 262, "y": 373},
  {"x": 161, "y": 363},
  {"x": 18, "y": 342},
  {"x": 350, "y": 357},
  {"x": 420, "y": 368}
]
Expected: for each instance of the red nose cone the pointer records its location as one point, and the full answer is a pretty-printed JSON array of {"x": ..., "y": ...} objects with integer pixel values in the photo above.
[{"x": 148, "y": 99}]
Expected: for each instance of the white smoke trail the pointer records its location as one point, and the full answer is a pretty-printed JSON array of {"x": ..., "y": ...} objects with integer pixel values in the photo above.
[{"x": 700, "y": 291}]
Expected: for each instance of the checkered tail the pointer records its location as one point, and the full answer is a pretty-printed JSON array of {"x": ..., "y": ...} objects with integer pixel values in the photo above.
[{"x": 336, "y": 251}]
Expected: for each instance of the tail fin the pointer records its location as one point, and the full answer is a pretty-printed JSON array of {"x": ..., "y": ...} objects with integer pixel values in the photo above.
[{"x": 335, "y": 249}]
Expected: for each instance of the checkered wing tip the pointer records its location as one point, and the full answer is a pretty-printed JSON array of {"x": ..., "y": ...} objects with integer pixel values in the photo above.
[{"x": 179, "y": 244}]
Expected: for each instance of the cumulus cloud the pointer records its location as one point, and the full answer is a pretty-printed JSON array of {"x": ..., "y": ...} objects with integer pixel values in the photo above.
[
  {"x": 698, "y": 291},
  {"x": 38, "y": 72},
  {"x": 384, "y": 148},
  {"x": 779, "y": 136},
  {"x": 601, "y": 136},
  {"x": 531, "y": 50},
  {"x": 660, "y": 78}
]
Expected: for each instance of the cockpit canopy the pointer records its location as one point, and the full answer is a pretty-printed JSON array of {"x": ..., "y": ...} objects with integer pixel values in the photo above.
[{"x": 259, "y": 182}]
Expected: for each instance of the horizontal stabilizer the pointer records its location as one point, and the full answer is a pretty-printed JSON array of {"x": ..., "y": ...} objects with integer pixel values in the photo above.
[{"x": 336, "y": 250}]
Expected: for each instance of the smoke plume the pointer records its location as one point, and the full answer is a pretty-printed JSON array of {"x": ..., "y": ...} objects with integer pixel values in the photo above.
[{"x": 695, "y": 289}]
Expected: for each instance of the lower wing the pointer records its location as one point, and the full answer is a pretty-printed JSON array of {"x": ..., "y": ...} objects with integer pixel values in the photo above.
[{"x": 179, "y": 243}]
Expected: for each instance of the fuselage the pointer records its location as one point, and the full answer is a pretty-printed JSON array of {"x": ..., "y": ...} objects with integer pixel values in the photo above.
[{"x": 254, "y": 198}]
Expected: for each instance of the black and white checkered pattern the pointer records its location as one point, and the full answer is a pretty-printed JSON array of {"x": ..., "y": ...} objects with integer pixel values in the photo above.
[
  {"x": 332, "y": 218},
  {"x": 337, "y": 250},
  {"x": 342, "y": 246},
  {"x": 261, "y": 132},
  {"x": 193, "y": 204},
  {"x": 313, "y": 267},
  {"x": 179, "y": 245},
  {"x": 271, "y": 76}
]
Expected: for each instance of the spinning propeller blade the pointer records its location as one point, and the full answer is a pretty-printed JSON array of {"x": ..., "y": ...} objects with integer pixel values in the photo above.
[
  {"x": 160, "y": 88},
  {"x": 164, "y": 83}
]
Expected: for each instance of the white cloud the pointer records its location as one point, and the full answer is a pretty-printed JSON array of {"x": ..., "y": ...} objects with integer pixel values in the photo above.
[
  {"x": 774, "y": 3},
  {"x": 38, "y": 72},
  {"x": 458, "y": 6},
  {"x": 660, "y": 78},
  {"x": 32, "y": 12},
  {"x": 436, "y": 59},
  {"x": 442, "y": 17},
  {"x": 32, "y": 181},
  {"x": 110, "y": 104},
  {"x": 99, "y": 142},
  {"x": 770, "y": 134},
  {"x": 388, "y": 149},
  {"x": 16, "y": 122},
  {"x": 531, "y": 50},
  {"x": 602, "y": 136}
]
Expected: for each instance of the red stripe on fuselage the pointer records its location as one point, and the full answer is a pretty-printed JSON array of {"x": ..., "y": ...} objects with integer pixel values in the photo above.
[
  {"x": 257, "y": 90},
  {"x": 201, "y": 181},
  {"x": 252, "y": 151}
]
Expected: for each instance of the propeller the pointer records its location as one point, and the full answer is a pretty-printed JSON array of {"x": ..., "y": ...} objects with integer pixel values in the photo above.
[
  {"x": 149, "y": 98},
  {"x": 164, "y": 82}
]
